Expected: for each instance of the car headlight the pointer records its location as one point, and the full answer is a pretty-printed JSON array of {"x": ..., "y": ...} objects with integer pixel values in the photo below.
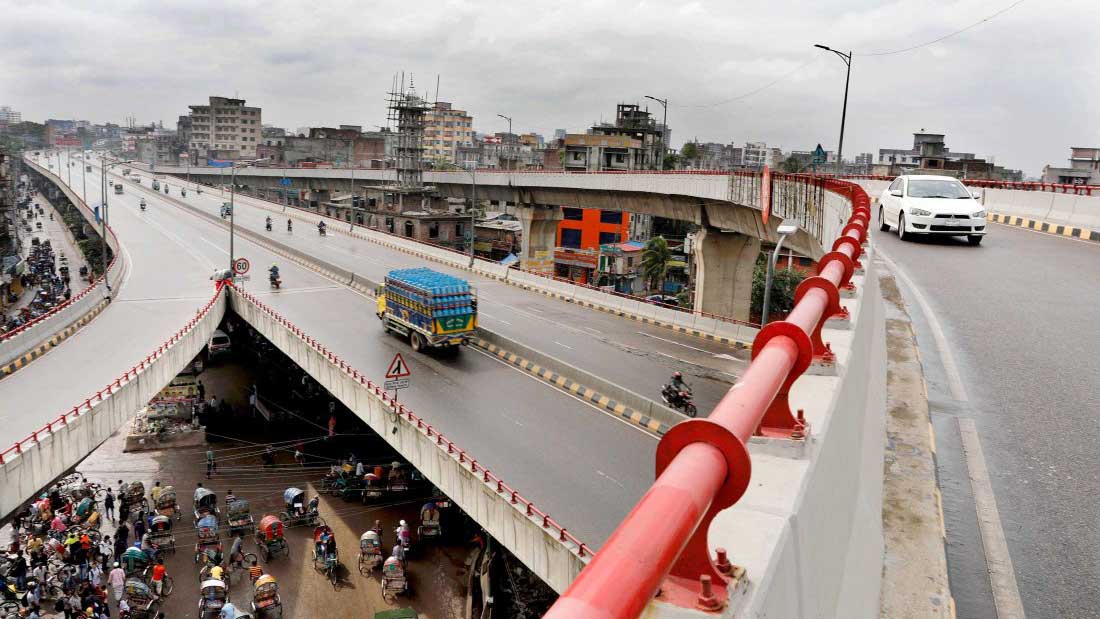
[
  {"x": 919, "y": 212},
  {"x": 978, "y": 214}
]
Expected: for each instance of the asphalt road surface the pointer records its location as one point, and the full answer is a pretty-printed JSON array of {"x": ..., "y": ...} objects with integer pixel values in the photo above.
[
  {"x": 1019, "y": 315},
  {"x": 585, "y": 468}
]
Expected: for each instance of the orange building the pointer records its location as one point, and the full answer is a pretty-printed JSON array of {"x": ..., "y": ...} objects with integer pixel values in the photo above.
[{"x": 580, "y": 234}]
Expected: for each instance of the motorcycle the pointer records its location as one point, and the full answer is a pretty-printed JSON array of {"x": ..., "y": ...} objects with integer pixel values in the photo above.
[
  {"x": 268, "y": 225},
  {"x": 289, "y": 226},
  {"x": 276, "y": 282},
  {"x": 321, "y": 231},
  {"x": 678, "y": 400}
]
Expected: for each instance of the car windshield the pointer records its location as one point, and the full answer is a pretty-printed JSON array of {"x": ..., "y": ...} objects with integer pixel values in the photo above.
[{"x": 937, "y": 189}]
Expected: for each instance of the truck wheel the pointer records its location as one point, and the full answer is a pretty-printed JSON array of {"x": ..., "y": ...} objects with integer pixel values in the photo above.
[{"x": 417, "y": 341}]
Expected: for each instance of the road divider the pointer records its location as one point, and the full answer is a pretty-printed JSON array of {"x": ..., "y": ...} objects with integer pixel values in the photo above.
[
  {"x": 1083, "y": 234},
  {"x": 619, "y": 401}
]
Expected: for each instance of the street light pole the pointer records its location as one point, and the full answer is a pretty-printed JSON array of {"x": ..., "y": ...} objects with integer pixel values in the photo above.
[
  {"x": 509, "y": 119},
  {"x": 473, "y": 204},
  {"x": 847, "y": 58},
  {"x": 784, "y": 231},
  {"x": 664, "y": 129}
]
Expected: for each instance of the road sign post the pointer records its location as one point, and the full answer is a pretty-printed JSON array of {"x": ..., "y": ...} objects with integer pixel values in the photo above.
[
  {"x": 241, "y": 266},
  {"x": 397, "y": 376}
]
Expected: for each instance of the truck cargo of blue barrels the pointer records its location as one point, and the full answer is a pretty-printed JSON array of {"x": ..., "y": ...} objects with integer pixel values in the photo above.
[{"x": 433, "y": 309}]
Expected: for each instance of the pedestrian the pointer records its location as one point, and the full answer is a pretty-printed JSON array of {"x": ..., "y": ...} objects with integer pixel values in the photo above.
[
  {"x": 158, "y": 577},
  {"x": 155, "y": 492},
  {"x": 236, "y": 557},
  {"x": 117, "y": 580},
  {"x": 268, "y": 457},
  {"x": 123, "y": 609},
  {"x": 252, "y": 404},
  {"x": 18, "y": 570},
  {"x": 96, "y": 574},
  {"x": 105, "y": 550},
  {"x": 202, "y": 391},
  {"x": 139, "y": 529},
  {"x": 109, "y": 504},
  {"x": 399, "y": 553},
  {"x": 299, "y": 455},
  {"x": 213, "y": 404},
  {"x": 211, "y": 464},
  {"x": 122, "y": 539},
  {"x": 332, "y": 426}
]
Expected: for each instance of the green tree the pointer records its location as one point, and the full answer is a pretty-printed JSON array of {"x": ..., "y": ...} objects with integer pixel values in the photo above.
[
  {"x": 655, "y": 259},
  {"x": 671, "y": 162},
  {"x": 791, "y": 165},
  {"x": 784, "y": 283},
  {"x": 690, "y": 151}
]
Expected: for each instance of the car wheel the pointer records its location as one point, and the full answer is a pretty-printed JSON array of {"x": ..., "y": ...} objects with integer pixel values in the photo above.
[
  {"x": 902, "y": 234},
  {"x": 882, "y": 225},
  {"x": 975, "y": 239}
]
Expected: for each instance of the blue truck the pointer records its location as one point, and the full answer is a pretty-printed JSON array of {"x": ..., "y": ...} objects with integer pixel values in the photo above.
[{"x": 433, "y": 309}]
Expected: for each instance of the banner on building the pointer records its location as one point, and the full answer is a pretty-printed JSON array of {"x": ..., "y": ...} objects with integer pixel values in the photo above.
[{"x": 219, "y": 163}]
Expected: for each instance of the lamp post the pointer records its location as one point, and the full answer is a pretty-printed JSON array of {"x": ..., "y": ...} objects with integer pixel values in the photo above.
[
  {"x": 509, "y": 119},
  {"x": 664, "y": 129},
  {"x": 104, "y": 166},
  {"x": 473, "y": 202},
  {"x": 232, "y": 208},
  {"x": 847, "y": 58},
  {"x": 784, "y": 230}
]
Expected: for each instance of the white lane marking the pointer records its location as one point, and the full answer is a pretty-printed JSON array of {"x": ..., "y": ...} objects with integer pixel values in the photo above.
[
  {"x": 504, "y": 322},
  {"x": 178, "y": 241},
  {"x": 726, "y": 357},
  {"x": 1002, "y": 577},
  {"x": 563, "y": 345},
  {"x": 657, "y": 337},
  {"x": 954, "y": 379},
  {"x": 590, "y": 329},
  {"x": 217, "y": 247},
  {"x": 537, "y": 311},
  {"x": 610, "y": 478}
]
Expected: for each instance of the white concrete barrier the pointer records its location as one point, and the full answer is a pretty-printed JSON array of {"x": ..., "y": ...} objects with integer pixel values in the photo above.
[
  {"x": 809, "y": 529},
  {"x": 15, "y": 347},
  {"x": 1062, "y": 209},
  {"x": 475, "y": 490},
  {"x": 51, "y": 453}
]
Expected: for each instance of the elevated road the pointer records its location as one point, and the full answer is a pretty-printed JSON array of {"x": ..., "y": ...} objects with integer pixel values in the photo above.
[
  {"x": 1018, "y": 317},
  {"x": 637, "y": 356}
]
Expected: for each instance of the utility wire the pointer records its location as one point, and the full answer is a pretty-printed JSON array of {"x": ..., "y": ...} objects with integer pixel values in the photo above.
[
  {"x": 946, "y": 36},
  {"x": 750, "y": 93}
]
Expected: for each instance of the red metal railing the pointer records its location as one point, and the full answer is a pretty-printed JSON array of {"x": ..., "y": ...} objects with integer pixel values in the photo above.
[
  {"x": 703, "y": 465},
  {"x": 104, "y": 393},
  {"x": 487, "y": 477},
  {"x": 50, "y": 314},
  {"x": 1081, "y": 190}
]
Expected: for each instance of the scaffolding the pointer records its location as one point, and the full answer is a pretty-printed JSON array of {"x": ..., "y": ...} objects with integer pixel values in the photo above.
[{"x": 406, "y": 111}]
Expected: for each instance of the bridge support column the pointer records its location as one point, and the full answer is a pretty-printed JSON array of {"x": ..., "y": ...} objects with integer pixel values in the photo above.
[
  {"x": 540, "y": 235},
  {"x": 724, "y": 262}
]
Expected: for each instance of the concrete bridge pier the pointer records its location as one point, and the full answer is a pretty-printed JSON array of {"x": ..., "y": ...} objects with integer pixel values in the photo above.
[
  {"x": 724, "y": 263},
  {"x": 540, "y": 235}
]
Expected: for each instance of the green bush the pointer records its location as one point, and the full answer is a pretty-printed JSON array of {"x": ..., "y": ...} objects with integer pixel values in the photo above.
[{"x": 784, "y": 283}]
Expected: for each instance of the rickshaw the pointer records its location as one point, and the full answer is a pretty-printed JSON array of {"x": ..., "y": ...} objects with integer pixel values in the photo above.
[
  {"x": 394, "y": 582},
  {"x": 160, "y": 533},
  {"x": 134, "y": 561},
  {"x": 206, "y": 504},
  {"x": 206, "y": 537},
  {"x": 429, "y": 522},
  {"x": 326, "y": 557},
  {"x": 372, "y": 487},
  {"x": 213, "y": 596},
  {"x": 84, "y": 513},
  {"x": 143, "y": 604},
  {"x": 370, "y": 552},
  {"x": 134, "y": 493},
  {"x": 297, "y": 513},
  {"x": 167, "y": 504},
  {"x": 266, "y": 603},
  {"x": 397, "y": 480},
  {"x": 239, "y": 516},
  {"x": 269, "y": 538}
]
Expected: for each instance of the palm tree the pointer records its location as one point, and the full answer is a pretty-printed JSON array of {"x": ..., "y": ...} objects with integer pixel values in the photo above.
[{"x": 655, "y": 259}]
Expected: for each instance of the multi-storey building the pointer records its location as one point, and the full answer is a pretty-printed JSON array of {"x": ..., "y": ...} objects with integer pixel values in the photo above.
[
  {"x": 446, "y": 129},
  {"x": 10, "y": 116},
  {"x": 224, "y": 129},
  {"x": 754, "y": 154},
  {"x": 1084, "y": 168}
]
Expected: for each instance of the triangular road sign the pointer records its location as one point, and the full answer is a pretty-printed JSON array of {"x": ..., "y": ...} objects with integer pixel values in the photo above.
[{"x": 398, "y": 368}]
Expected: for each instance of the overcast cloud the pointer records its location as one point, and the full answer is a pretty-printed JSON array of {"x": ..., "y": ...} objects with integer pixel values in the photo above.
[{"x": 1019, "y": 87}]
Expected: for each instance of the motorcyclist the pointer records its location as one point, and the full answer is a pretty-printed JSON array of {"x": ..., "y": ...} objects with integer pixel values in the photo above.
[
  {"x": 321, "y": 228},
  {"x": 289, "y": 225},
  {"x": 268, "y": 223},
  {"x": 678, "y": 383},
  {"x": 274, "y": 272},
  {"x": 143, "y": 204}
]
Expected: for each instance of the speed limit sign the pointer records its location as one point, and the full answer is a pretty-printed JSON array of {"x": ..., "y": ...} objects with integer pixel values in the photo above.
[{"x": 241, "y": 266}]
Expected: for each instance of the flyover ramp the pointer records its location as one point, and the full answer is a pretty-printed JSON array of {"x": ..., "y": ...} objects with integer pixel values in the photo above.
[
  {"x": 584, "y": 468},
  {"x": 640, "y": 357}
]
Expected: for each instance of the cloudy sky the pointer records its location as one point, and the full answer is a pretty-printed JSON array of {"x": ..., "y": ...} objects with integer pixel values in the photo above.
[{"x": 1018, "y": 87}]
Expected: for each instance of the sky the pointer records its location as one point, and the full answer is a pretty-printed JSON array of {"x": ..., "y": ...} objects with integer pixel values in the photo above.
[{"x": 1017, "y": 87}]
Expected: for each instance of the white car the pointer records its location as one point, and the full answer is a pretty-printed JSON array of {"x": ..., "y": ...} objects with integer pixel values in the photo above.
[{"x": 918, "y": 204}]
